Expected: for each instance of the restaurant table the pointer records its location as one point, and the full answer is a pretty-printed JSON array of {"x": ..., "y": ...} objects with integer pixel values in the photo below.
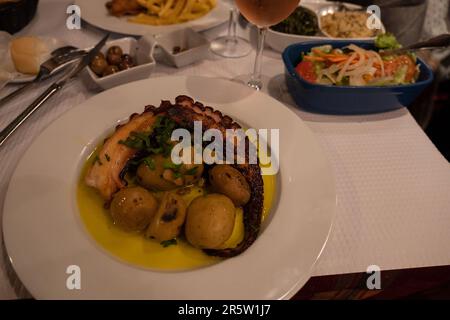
[{"x": 392, "y": 184}]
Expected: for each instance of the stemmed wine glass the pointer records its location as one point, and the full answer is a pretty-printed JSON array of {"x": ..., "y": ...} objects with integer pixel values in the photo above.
[
  {"x": 263, "y": 14},
  {"x": 231, "y": 46}
]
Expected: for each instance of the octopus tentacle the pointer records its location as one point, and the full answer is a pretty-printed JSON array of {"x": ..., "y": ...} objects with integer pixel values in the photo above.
[
  {"x": 104, "y": 175},
  {"x": 107, "y": 179}
]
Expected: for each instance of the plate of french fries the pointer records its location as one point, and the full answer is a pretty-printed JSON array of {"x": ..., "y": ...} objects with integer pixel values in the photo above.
[{"x": 139, "y": 17}]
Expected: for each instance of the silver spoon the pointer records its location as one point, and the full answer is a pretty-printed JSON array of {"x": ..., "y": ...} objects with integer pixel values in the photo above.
[{"x": 438, "y": 42}]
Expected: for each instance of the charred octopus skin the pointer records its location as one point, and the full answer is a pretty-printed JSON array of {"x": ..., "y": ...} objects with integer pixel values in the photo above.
[{"x": 107, "y": 179}]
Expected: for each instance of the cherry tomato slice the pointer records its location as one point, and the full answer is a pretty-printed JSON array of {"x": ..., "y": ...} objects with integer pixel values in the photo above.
[{"x": 306, "y": 70}]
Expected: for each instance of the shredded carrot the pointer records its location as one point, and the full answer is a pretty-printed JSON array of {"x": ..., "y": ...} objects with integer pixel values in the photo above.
[
  {"x": 337, "y": 59},
  {"x": 333, "y": 57},
  {"x": 313, "y": 58},
  {"x": 318, "y": 52}
]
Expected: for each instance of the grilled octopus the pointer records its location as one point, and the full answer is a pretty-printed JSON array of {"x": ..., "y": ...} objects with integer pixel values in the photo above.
[{"x": 105, "y": 175}]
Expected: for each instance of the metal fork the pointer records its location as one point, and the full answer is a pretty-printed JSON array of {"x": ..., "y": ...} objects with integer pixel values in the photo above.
[
  {"x": 51, "y": 66},
  {"x": 439, "y": 42}
]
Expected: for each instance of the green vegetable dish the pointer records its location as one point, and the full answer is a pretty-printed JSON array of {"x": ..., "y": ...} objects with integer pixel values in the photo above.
[{"x": 301, "y": 22}]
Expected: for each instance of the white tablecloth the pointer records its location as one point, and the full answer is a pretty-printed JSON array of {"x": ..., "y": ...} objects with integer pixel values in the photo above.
[{"x": 393, "y": 186}]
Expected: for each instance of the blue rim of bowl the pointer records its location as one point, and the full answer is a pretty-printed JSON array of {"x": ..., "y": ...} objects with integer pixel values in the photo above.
[{"x": 291, "y": 68}]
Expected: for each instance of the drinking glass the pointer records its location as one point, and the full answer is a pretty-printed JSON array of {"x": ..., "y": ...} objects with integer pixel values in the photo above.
[
  {"x": 231, "y": 46},
  {"x": 263, "y": 14}
]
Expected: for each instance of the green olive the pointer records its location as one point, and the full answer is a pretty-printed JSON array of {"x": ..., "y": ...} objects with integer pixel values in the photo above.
[
  {"x": 100, "y": 55},
  {"x": 110, "y": 70},
  {"x": 210, "y": 221},
  {"x": 133, "y": 208},
  {"x": 168, "y": 220},
  {"x": 114, "y": 55},
  {"x": 115, "y": 50},
  {"x": 124, "y": 65},
  {"x": 113, "y": 59},
  {"x": 127, "y": 58},
  {"x": 227, "y": 180},
  {"x": 98, "y": 65}
]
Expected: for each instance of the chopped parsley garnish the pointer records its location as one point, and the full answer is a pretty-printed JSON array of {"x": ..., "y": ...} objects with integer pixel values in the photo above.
[
  {"x": 170, "y": 165},
  {"x": 156, "y": 150},
  {"x": 155, "y": 141},
  {"x": 149, "y": 162},
  {"x": 137, "y": 140},
  {"x": 170, "y": 242},
  {"x": 177, "y": 175},
  {"x": 191, "y": 171}
]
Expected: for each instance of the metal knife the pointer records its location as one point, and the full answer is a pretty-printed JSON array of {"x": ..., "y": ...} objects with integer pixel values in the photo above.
[{"x": 54, "y": 88}]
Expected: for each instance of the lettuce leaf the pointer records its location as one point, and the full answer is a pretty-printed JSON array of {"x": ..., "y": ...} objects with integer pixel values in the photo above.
[{"x": 387, "y": 41}]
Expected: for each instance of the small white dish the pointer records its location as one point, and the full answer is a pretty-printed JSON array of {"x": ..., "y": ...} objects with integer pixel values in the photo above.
[
  {"x": 279, "y": 40},
  {"x": 193, "y": 47},
  {"x": 330, "y": 9},
  {"x": 142, "y": 53}
]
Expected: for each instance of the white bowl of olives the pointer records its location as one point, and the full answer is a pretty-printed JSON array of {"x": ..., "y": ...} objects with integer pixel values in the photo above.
[{"x": 121, "y": 61}]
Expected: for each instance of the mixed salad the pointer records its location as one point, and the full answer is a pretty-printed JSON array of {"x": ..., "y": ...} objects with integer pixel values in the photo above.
[{"x": 356, "y": 66}]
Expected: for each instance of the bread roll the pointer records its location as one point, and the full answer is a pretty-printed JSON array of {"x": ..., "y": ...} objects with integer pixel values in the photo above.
[{"x": 28, "y": 53}]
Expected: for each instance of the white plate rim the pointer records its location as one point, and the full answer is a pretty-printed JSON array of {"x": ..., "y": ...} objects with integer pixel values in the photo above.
[{"x": 14, "y": 245}]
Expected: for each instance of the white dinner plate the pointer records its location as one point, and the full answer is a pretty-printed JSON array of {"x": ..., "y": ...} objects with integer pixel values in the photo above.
[
  {"x": 44, "y": 233},
  {"x": 96, "y": 14}
]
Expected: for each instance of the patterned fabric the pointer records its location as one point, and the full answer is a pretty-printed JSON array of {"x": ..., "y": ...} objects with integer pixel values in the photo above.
[
  {"x": 437, "y": 18},
  {"x": 437, "y": 21}
]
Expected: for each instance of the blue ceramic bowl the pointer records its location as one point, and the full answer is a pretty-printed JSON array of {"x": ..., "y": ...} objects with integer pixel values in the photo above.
[{"x": 348, "y": 99}]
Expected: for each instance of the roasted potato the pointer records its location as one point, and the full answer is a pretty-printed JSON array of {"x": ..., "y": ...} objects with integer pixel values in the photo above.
[
  {"x": 210, "y": 221},
  {"x": 152, "y": 178},
  {"x": 163, "y": 175},
  {"x": 168, "y": 220},
  {"x": 227, "y": 180},
  {"x": 191, "y": 173},
  {"x": 133, "y": 208}
]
